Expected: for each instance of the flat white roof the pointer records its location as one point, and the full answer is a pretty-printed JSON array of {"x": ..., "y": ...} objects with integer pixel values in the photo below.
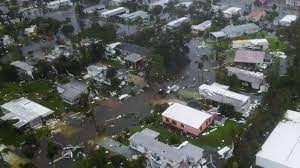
[
  {"x": 25, "y": 110},
  {"x": 202, "y": 26},
  {"x": 186, "y": 115},
  {"x": 109, "y": 12},
  {"x": 177, "y": 22},
  {"x": 232, "y": 10},
  {"x": 283, "y": 144},
  {"x": 213, "y": 89},
  {"x": 288, "y": 18}
]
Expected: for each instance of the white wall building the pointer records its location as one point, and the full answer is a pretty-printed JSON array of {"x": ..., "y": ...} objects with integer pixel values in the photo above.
[
  {"x": 254, "y": 44},
  {"x": 135, "y": 15},
  {"x": 27, "y": 112},
  {"x": 287, "y": 20},
  {"x": 162, "y": 3},
  {"x": 98, "y": 73},
  {"x": 215, "y": 93},
  {"x": 282, "y": 148},
  {"x": 162, "y": 155},
  {"x": 57, "y": 3},
  {"x": 114, "y": 12},
  {"x": 255, "y": 79},
  {"x": 228, "y": 13},
  {"x": 201, "y": 27},
  {"x": 177, "y": 23}
]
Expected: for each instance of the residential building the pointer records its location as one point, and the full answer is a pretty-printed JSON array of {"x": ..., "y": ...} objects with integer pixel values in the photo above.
[
  {"x": 228, "y": 13},
  {"x": 128, "y": 48},
  {"x": 184, "y": 5},
  {"x": 147, "y": 2},
  {"x": 7, "y": 41},
  {"x": 94, "y": 9},
  {"x": 162, "y": 155},
  {"x": 256, "y": 15},
  {"x": 197, "y": 29},
  {"x": 177, "y": 23},
  {"x": 98, "y": 73},
  {"x": 162, "y": 3},
  {"x": 116, "y": 2},
  {"x": 30, "y": 30},
  {"x": 253, "y": 44},
  {"x": 58, "y": 51},
  {"x": 72, "y": 91},
  {"x": 135, "y": 16},
  {"x": 187, "y": 119},
  {"x": 255, "y": 79},
  {"x": 235, "y": 31},
  {"x": 292, "y": 3},
  {"x": 219, "y": 94},
  {"x": 28, "y": 113},
  {"x": 110, "y": 49},
  {"x": 135, "y": 61},
  {"x": 23, "y": 67},
  {"x": 286, "y": 20},
  {"x": 114, "y": 12},
  {"x": 247, "y": 57},
  {"x": 282, "y": 148},
  {"x": 57, "y": 3}
]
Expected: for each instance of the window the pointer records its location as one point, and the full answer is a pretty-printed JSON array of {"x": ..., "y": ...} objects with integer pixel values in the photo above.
[
  {"x": 173, "y": 122},
  {"x": 201, "y": 128},
  {"x": 182, "y": 125},
  {"x": 167, "y": 120}
]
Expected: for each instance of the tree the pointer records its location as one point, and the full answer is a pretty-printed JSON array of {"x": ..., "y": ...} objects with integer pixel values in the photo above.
[
  {"x": 234, "y": 83},
  {"x": 156, "y": 10},
  {"x": 52, "y": 150},
  {"x": 107, "y": 32},
  {"x": 67, "y": 29}
]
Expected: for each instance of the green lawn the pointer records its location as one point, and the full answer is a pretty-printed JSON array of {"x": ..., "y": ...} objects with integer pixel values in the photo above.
[
  {"x": 221, "y": 137},
  {"x": 41, "y": 92},
  {"x": 276, "y": 45}
]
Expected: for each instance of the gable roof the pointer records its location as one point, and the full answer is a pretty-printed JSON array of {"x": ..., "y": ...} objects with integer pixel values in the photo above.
[{"x": 247, "y": 56}]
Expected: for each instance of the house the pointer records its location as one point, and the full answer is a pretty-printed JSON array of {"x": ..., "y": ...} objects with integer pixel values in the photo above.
[
  {"x": 95, "y": 8},
  {"x": 97, "y": 73},
  {"x": 253, "y": 44},
  {"x": 282, "y": 148},
  {"x": 110, "y": 49},
  {"x": 256, "y": 15},
  {"x": 116, "y": 2},
  {"x": 58, "y": 3},
  {"x": 135, "y": 16},
  {"x": 247, "y": 57},
  {"x": 136, "y": 61},
  {"x": 7, "y": 40},
  {"x": 147, "y": 2},
  {"x": 197, "y": 29},
  {"x": 292, "y": 3},
  {"x": 162, "y": 3},
  {"x": 255, "y": 79},
  {"x": 184, "y": 5},
  {"x": 30, "y": 30},
  {"x": 128, "y": 48},
  {"x": 162, "y": 155},
  {"x": 28, "y": 113},
  {"x": 220, "y": 94},
  {"x": 187, "y": 119},
  {"x": 114, "y": 12},
  {"x": 23, "y": 67},
  {"x": 286, "y": 20},
  {"x": 58, "y": 51},
  {"x": 232, "y": 11},
  {"x": 177, "y": 23},
  {"x": 72, "y": 91},
  {"x": 235, "y": 31}
]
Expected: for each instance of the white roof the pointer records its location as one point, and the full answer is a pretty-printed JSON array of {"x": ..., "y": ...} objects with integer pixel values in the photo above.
[
  {"x": 186, "y": 115},
  {"x": 232, "y": 10},
  {"x": 218, "y": 34},
  {"x": 248, "y": 76},
  {"x": 283, "y": 145},
  {"x": 288, "y": 18},
  {"x": 134, "y": 15},
  {"x": 30, "y": 29},
  {"x": 213, "y": 89},
  {"x": 178, "y": 22},
  {"x": 202, "y": 26},
  {"x": 24, "y": 110},
  {"x": 116, "y": 10}
]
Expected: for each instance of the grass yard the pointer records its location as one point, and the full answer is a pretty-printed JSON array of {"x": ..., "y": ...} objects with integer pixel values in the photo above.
[
  {"x": 188, "y": 94},
  {"x": 41, "y": 92},
  {"x": 276, "y": 45}
]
